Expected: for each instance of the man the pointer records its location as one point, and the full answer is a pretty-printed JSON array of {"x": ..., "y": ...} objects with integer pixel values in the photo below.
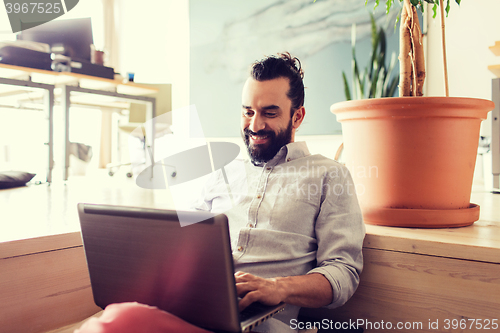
[
  {"x": 296, "y": 226},
  {"x": 296, "y": 230}
]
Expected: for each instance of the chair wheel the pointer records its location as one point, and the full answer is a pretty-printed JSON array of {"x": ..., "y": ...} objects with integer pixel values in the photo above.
[
  {"x": 129, "y": 174},
  {"x": 111, "y": 173}
]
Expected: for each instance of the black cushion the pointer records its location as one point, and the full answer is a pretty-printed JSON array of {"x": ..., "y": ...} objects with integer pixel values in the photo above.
[{"x": 10, "y": 179}]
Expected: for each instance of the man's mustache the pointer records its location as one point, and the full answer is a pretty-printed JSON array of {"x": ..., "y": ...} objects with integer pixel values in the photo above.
[{"x": 259, "y": 133}]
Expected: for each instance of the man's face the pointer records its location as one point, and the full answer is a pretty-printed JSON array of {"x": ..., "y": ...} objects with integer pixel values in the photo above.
[{"x": 266, "y": 122}]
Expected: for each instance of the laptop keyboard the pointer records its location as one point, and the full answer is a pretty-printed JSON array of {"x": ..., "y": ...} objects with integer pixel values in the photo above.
[{"x": 252, "y": 310}]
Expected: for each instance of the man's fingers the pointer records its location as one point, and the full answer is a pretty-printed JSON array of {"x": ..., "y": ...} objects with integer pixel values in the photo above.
[
  {"x": 249, "y": 298},
  {"x": 242, "y": 276},
  {"x": 242, "y": 288}
]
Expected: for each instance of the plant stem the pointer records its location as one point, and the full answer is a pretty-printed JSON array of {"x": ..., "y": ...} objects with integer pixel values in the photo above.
[
  {"x": 405, "y": 67},
  {"x": 444, "y": 49},
  {"x": 411, "y": 53}
]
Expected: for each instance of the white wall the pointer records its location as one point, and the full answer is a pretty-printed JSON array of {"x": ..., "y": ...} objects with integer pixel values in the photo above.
[
  {"x": 470, "y": 29},
  {"x": 154, "y": 44}
]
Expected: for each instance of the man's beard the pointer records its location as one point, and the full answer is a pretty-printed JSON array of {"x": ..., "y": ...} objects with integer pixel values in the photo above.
[{"x": 260, "y": 154}]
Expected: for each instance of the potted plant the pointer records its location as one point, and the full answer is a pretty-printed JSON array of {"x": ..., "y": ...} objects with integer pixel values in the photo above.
[{"x": 412, "y": 158}]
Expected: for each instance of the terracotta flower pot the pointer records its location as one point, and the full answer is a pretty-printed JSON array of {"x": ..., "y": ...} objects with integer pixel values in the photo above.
[{"x": 412, "y": 158}]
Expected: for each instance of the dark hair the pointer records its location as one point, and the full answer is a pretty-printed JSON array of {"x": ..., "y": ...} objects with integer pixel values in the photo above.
[{"x": 283, "y": 65}]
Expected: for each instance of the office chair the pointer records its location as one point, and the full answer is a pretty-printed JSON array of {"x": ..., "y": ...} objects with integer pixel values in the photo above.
[{"x": 134, "y": 127}]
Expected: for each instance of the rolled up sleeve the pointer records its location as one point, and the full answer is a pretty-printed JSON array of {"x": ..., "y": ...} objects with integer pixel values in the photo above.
[{"x": 340, "y": 232}]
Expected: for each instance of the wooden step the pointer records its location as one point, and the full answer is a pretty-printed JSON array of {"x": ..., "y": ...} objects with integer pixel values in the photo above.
[
  {"x": 496, "y": 48},
  {"x": 495, "y": 69}
]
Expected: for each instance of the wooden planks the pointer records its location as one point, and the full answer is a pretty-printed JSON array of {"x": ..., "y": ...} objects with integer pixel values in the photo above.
[
  {"x": 40, "y": 244},
  {"x": 480, "y": 242},
  {"x": 403, "y": 287},
  {"x": 43, "y": 291}
]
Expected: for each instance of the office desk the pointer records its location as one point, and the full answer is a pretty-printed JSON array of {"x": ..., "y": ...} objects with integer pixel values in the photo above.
[{"x": 61, "y": 85}]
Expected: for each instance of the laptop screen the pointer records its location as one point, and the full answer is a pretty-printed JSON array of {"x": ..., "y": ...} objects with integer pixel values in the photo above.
[{"x": 144, "y": 255}]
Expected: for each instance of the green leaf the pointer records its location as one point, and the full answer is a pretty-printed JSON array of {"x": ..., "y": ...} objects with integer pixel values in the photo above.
[
  {"x": 392, "y": 65},
  {"x": 388, "y": 5},
  {"x": 383, "y": 45},
  {"x": 374, "y": 79},
  {"x": 374, "y": 32},
  {"x": 434, "y": 10},
  {"x": 346, "y": 87},
  {"x": 362, "y": 84},
  {"x": 392, "y": 87},
  {"x": 355, "y": 80},
  {"x": 458, "y": 2},
  {"x": 376, "y": 4},
  {"x": 447, "y": 7},
  {"x": 378, "y": 89}
]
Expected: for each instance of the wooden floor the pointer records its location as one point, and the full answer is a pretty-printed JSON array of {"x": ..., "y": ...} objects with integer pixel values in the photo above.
[{"x": 415, "y": 275}]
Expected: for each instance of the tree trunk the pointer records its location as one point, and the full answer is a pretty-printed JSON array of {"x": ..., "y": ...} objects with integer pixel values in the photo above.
[{"x": 411, "y": 53}]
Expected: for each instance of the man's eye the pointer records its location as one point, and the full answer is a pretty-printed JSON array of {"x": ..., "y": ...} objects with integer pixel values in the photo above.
[
  {"x": 247, "y": 113},
  {"x": 270, "y": 114}
]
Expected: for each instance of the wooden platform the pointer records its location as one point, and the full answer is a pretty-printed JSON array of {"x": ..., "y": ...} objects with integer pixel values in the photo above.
[{"x": 410, "y": 275}]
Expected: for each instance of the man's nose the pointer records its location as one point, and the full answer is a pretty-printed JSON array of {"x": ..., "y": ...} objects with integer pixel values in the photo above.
[{"x": 257, "y": 123}]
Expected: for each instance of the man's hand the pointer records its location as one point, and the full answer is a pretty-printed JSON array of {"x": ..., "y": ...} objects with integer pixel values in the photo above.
[
  {"x": 252, "y": 288},
  {"x": 312, "y": 290}
]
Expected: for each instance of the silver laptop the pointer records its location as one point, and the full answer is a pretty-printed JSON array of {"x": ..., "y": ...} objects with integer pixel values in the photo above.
[{"x": 144, "y": 255}]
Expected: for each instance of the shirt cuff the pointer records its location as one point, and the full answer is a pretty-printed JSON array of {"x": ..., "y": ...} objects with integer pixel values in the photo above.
[{"x": 343, "y": 286}]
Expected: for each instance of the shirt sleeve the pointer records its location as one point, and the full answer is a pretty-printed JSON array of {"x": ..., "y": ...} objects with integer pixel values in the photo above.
[{"x": 340, "y": 232}]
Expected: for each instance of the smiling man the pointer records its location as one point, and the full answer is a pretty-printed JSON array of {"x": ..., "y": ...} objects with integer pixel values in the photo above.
[
  {"x": 296, "y": 230},
  {"x": 267, "y": 124},
  {"x": 295, "y": 223}
]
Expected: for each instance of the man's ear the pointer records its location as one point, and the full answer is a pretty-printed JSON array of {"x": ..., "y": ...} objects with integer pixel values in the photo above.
[{"x": 298, "y": 117}]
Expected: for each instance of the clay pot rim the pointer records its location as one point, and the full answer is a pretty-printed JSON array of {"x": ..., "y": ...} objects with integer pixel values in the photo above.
[
  {"x": 413, "y": 102},
  {"x": 423, "y": 218},
  {"x": 413, "y": 107}
]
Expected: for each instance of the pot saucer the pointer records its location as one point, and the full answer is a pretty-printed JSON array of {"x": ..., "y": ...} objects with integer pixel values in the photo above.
[{"x": 422, "y": 218}]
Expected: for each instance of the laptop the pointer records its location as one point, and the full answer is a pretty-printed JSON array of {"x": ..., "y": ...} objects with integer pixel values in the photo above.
[{"x": 144, "y": 255}]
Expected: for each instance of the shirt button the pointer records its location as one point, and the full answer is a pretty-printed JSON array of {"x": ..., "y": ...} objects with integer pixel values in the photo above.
[
  {"x": 259, "y": 196},
  {"x": 268, "y": 168},
  {"x": 240, "y": 248},
  {"x": 250, "y": 225},
  {"x": 288, "y": 159}
]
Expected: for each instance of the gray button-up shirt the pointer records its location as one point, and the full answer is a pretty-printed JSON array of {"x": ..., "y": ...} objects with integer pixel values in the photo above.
[{"x": 296, "y": 214}]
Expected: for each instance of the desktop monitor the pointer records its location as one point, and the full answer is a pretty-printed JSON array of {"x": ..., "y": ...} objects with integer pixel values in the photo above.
[{"x": 73, "y": 36}]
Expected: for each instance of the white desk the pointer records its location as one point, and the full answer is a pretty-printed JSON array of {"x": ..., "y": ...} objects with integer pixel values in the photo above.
[{"x": 68, "y": 83}]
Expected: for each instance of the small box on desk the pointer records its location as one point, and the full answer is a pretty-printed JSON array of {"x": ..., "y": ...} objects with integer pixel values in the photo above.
[
  {"x": 18, "y": 56},
  {"x": 84, "y": 67}
]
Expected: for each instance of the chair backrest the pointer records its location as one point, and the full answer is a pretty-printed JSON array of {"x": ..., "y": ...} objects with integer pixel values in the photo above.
[{"x": 163, "y": 97}]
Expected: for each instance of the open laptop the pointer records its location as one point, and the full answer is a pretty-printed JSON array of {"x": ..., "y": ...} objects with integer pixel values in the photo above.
[{"x": 144, "y": 255}]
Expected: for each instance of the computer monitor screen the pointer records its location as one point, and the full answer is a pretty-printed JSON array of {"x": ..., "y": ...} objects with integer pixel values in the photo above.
[{"x": 75, "y": 35}]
